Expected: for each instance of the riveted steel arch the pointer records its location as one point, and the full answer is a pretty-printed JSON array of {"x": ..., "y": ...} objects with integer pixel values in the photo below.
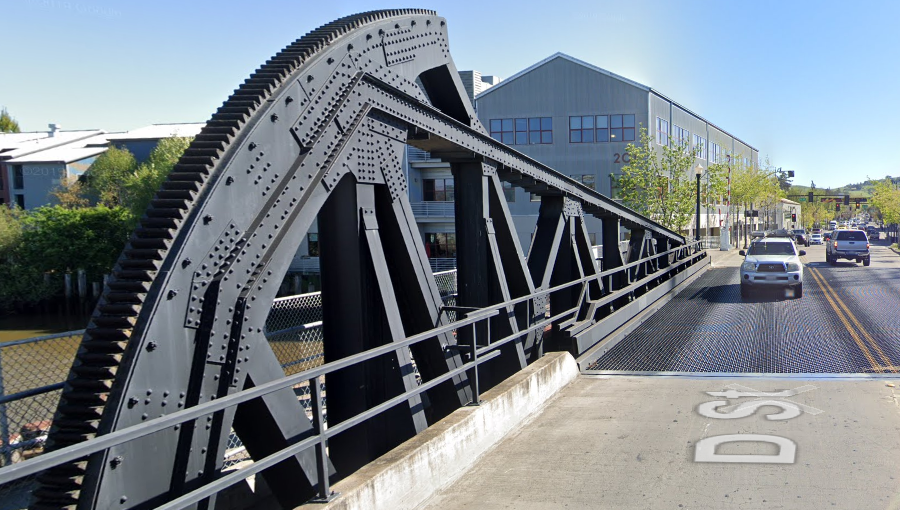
[{"x": 317, "y": 133}]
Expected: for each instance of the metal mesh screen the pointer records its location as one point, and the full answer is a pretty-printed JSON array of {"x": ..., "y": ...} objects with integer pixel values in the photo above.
[{"x": 293, "y": 329}]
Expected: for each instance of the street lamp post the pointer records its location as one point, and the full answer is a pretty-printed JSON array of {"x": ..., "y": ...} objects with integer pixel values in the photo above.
[
  {"x": 724, "y": 237},
  {"x": 698, "y": 170}
]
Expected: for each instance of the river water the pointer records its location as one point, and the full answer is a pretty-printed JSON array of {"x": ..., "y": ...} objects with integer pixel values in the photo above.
[{"x": 15, "y": 327}]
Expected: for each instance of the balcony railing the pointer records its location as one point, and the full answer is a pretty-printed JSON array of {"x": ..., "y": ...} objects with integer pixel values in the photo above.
[
  {"x": 442, "y": 264},
  {"x": 305, "y": 265},
  {"x": 432, "y": 209}
]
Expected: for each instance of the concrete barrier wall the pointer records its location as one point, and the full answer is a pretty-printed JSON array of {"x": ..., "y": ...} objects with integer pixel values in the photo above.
[{"x": 408, "y": 475}]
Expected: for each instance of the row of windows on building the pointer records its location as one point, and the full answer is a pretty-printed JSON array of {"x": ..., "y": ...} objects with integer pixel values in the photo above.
[
  {"x": 582, "y": 129},
  {"x": 601, "y": 128},
  {"x": 680, "y": 136},
  {"x": 437, "y": 245},
  {"x": 531, "y": 131},
  {"x": 443, "y": 190}
]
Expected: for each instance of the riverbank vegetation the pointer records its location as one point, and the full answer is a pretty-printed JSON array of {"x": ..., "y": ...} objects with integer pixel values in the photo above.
[{"x": 85, "y": 230}]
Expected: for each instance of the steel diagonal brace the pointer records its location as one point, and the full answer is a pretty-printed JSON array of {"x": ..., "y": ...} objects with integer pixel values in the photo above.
[{"x": 366, "y": 197}]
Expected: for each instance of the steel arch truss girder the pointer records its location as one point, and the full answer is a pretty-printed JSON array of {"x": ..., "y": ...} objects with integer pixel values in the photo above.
[
  {"x": 270, "y": 220},
  {"x": 445, "y": 137},
  {"x": 184, "y": 314}
]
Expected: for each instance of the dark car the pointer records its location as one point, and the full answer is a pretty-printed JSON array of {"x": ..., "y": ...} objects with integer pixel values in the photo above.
[
  {"x": 801, "y": 237},
  {"x": 826, "y": 236}
]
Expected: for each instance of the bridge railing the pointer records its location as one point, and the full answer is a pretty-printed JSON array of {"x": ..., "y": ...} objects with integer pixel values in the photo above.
[
  {"x": 33, "y": 370},
  {"x": 479, "y": 351}
]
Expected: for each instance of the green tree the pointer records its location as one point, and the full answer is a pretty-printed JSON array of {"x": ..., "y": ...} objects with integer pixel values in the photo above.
[
  {"x": 107, "y": 177},
  {"x": 658, "y": 183},
  {"x": 7, "y": 123},
  {"x": 886, "y": 199},
  {"x": 10, "y": 230},
  {"x": 20, "y": 282},
  {"x": 59, "y": 240},
  {"x": 141, "y": 186}
]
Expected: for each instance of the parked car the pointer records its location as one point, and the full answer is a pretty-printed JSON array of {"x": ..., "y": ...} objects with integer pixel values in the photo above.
[
  {"x": 816, "y": 239},
  {"x": 850, "y": 245},
  {"x": 772, "y": 262}
]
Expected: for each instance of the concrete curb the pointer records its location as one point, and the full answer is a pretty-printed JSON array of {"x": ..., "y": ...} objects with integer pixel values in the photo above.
[{"x": 410, "y": 474}]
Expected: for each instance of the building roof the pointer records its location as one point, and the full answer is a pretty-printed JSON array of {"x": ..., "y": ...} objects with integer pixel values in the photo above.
[
  {"x": 159, "y": 131},
  {"x": 563, "y": 56},
  {"x": 10, "y": 141},
  {"x": 611, "y": 75},
  {"x": 67, "y": 153},
  {"x": 61, "y": 138},
  {"x": 789, "y": 202}
]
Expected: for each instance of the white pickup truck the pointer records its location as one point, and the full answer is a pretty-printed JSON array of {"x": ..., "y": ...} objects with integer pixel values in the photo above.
[{"x": 848, "y": 244}]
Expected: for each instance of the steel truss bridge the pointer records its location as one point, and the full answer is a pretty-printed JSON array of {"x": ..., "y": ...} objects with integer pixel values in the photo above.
[{"x": 174, "y": 359}]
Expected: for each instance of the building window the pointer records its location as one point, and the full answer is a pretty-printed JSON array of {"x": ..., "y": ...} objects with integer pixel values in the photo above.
[
  {"x": 662, "y": 132},
  {"x": 601, "y": 128},
  {"x": 581, "y": 129},
  {"x": 18, "y": 177},
  {"x": 509, "y": 192},
  {"x": 20, "y": 201},
  {"x": 715, "y": 153},
  {"x": 534, "y": 130},
  {"x": 313, "y": 244},
  {"x": 586, "y": 179},
  {"x": 602, "y": 124},
  {"x": 438, "y": 190},
  {"x": 621, "y": 128},
  {"x": 682, "y": 137},
  {"x": 440, "y": 245},
  {"x": 700, "y": 146}
]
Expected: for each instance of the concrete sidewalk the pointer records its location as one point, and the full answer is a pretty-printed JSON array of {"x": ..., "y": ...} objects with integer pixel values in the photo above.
[
  {"x": 619, "y": 443},
  {"x": 719, "y": 258}
]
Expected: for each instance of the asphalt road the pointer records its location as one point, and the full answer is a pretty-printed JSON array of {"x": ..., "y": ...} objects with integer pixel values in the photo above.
[
  {"x": 848, "y": 321},
  {"x": 789, "y": 436}
]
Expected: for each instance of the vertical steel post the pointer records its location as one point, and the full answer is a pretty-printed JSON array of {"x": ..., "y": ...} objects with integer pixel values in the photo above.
[
  {"x": 476, "y": 390},
  {"x": 325, "y": 493},
  {"x": 697, "y": 228},
  {"x": 4, "y": 422}
]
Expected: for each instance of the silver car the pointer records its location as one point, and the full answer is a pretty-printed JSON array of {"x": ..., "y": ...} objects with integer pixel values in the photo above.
[{"x": 772, "y": 262}]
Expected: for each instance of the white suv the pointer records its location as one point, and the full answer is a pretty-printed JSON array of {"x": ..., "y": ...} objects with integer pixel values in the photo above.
[{"x": 772, "y": 262}]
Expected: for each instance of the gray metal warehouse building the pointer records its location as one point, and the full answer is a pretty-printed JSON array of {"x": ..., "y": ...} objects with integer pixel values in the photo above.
[{"x": 578, "y": 118}]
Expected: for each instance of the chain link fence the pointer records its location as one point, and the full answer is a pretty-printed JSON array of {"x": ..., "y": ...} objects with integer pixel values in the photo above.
[{"x": 32, "y": 372}]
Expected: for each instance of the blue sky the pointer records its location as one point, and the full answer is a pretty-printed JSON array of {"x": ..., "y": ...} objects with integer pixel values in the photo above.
[{"x": 807, "y": 83}]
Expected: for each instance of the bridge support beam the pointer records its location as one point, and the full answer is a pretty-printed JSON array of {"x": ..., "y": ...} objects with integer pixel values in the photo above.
[
  {"x": 354, "y": 310},
  {"x": 481, "y": 279}
]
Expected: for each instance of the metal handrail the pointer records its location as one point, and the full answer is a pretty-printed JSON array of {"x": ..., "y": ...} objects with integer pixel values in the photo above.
[
  {"x": 479, "y": 355},
  {"x": 76, "y": 451},
  {"x": 33, "y": 339}
]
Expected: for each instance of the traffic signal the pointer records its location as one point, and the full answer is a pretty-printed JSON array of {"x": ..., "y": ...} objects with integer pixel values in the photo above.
[
  {"x": 857, "y": 204},
  {"x": 794, "y": 217},
  {"x": 837, "y": 207},
  {"x": 846, "y": 199},
  {"x": 810, "y": 200}
]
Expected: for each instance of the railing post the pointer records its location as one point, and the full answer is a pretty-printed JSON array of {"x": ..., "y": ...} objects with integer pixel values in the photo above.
[
  {"x": 476, "y": 390},
  {"x": 4, "y": 422},
  {"x": 325, "y": 492}
]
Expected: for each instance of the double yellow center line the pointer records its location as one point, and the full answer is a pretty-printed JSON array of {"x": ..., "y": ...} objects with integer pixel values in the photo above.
[{"x": 863, "y": 339}]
